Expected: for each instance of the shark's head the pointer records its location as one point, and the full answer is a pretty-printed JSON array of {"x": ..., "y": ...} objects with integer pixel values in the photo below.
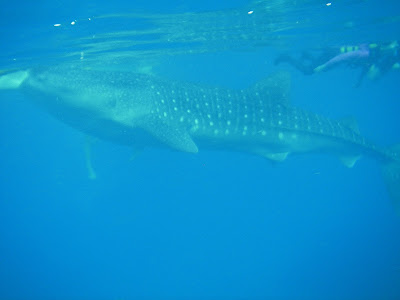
[
  {"x": 106, "y": 104},
  {"x": 69, "y": 88}
]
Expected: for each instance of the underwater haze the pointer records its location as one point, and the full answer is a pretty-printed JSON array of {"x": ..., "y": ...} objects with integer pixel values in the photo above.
[{"x": 82, "y": 217}]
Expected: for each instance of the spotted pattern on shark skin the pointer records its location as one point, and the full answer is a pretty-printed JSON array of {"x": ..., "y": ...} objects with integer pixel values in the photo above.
[
  {"x": 260, "y": 115},
  {"x": 231, "y": 113}
]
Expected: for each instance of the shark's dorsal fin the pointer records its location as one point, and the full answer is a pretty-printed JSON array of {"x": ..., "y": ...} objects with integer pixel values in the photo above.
[
  {"x": 172, "y": 135},
  {"x": 351, "y": 123},
  {"x": 274, "y": 89}
]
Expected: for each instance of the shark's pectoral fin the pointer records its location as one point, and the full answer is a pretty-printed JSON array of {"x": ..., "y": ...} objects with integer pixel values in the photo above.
[
  {"x": 349, "y": 160},
  {"x": 173, "y": 136},
  {"x": 176, "y": 138}
]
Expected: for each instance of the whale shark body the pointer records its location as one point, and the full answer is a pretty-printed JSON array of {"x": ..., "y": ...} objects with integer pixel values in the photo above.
[{"x": 142, "y": 111}]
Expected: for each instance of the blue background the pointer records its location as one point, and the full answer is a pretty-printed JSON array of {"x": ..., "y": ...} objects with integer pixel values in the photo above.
[{"x": 216, "y": 225}]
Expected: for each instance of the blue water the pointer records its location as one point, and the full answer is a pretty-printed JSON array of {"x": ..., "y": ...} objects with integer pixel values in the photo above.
[{"x": 215, "y": 225}]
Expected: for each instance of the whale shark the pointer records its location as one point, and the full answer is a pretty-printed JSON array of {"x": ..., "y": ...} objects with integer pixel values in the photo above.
[{"x": 142, "y": 110}]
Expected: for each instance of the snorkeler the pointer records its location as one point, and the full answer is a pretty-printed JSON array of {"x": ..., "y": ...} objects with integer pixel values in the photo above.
[{"x": 374, "y": 60}]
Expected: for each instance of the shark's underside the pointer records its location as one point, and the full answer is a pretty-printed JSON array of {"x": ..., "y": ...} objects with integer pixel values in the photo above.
[{"x": 142, "y": 110}]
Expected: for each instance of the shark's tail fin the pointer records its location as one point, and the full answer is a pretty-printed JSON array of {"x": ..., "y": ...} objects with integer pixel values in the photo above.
[{"x": 391, "y": 174}]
